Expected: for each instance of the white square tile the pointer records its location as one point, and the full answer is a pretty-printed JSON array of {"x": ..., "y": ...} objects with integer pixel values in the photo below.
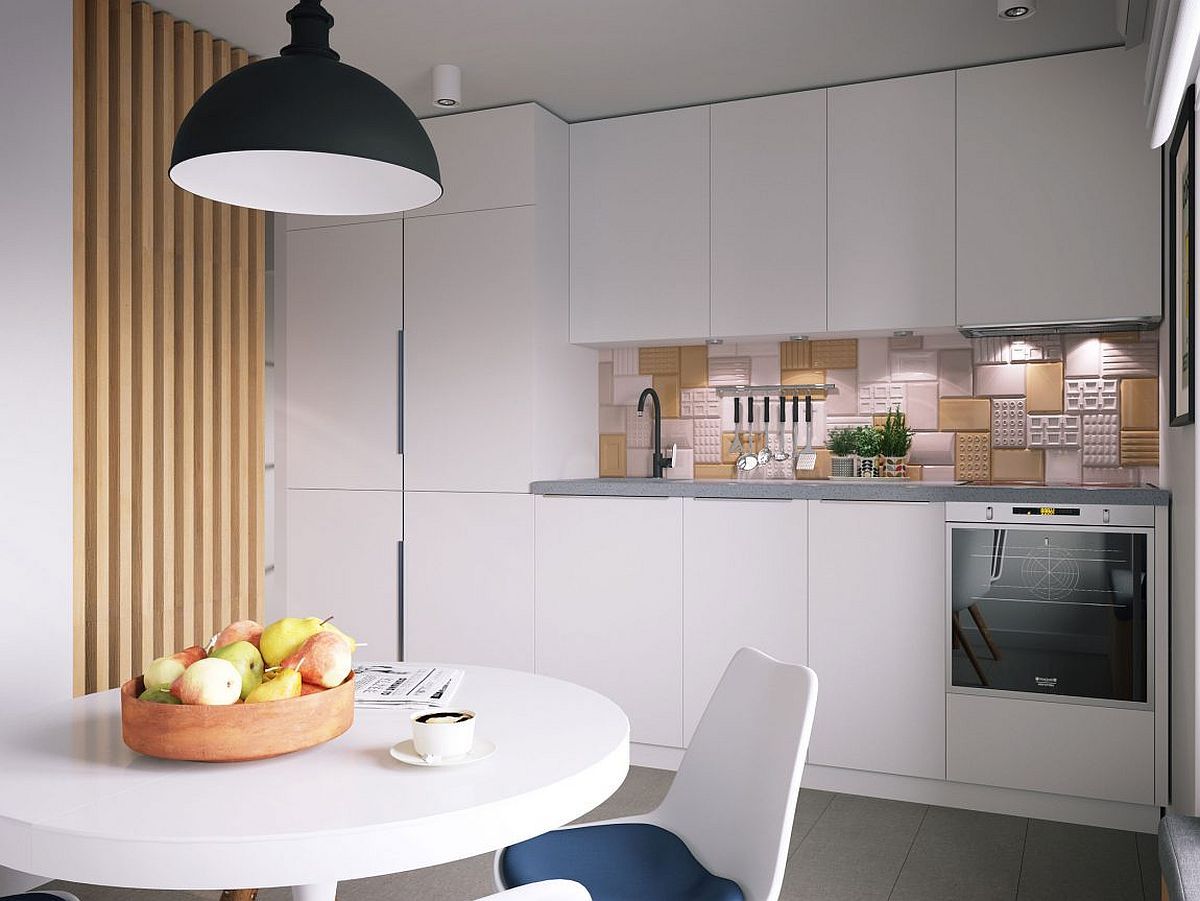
[
  {"x": 637, "y": 463},
  {"x": 922, "y": 405},
  {"x": 729, "y": 370},
  {"x": 677, "y": 431},
  {"x": 1064, "y": 467},
  {"x": 954, "y": 373},
  {"x": 1082, "y": 356},
  {"x": 1000, "y": 380},
  {"x": 880, "y": 397},
  {"x": 628, "y": 388},
  {"x": 872, "y": 359},
  {"x": 937, "y": 474},
  {"x": 946, "y": 341},
  {"x": 625, "y": 360},
  {"x": 1091, "y": 395},
  {"x": 606, "y": 383},
  {"x": 612, "y": 420},
  {"x": 914, "y": 365},
  {"x": 605, "y": 355},
  {"x": 757, "y": 348},
  {"x": 764, "y": 369},
  {"x": 844, "y": 400},
  {"x": 933, "y": 448},
  {"x": 706, "y": 440},
  {"x": 1055, "y": 430}
]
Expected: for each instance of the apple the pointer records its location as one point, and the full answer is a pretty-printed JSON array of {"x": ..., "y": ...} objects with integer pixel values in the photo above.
[
  {"x": 246, "y": 660},
  {"x": 211, "y": 681},
  {"x": 162, "y": 672},
  {"x": 324, "y": 659},
  {"x": 242, "y": 630}
]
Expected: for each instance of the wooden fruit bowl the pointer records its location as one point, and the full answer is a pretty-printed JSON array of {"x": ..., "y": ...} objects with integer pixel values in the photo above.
[{"x": 237, "y": 731}]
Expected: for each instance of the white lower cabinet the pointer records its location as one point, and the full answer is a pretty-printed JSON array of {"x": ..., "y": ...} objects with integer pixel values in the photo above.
[
  {"x": 468, "y": 578},
  {"x": 609, "y": 604},
  {"x": 733, "y": 598},
  {"x": 877, "y": 636},
  {"x": 344, "y": 558},
  {"x": 1069, "y": 749}
]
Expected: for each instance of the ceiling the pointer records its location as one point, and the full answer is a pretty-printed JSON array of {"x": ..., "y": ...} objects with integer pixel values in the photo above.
[{"x": 589, "y": 59}]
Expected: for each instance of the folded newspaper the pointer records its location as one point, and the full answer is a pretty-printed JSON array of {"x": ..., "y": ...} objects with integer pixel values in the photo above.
[{"x": 402, "y": 685}]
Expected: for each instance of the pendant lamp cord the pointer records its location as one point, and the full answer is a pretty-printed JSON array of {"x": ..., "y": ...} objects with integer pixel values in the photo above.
[{"x": 310, "y": 30}]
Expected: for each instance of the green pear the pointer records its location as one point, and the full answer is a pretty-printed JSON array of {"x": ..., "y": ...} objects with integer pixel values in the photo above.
[
  {"x": 286, "y": 684},
  {"x": 283, "y": 637},
  {"x": 158, "y": 696},
  {"x": 246, "y": 660}
]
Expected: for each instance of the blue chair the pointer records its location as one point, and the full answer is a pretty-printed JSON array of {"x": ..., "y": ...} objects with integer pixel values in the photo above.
[{"x": 722, "y": 832}]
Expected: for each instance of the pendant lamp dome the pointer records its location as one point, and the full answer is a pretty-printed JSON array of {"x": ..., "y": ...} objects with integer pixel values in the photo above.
[{"x": 305, "y": 133}]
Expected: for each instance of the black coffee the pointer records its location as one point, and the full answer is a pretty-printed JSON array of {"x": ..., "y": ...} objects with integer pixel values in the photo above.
[{"x": 444, "y": 717}]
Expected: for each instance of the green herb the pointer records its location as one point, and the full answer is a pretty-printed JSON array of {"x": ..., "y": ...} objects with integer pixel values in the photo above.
[
  {"x": 842, "y": 442},
  {"x": 896, "y": 437},
  {"x": 866, "y": 440}
]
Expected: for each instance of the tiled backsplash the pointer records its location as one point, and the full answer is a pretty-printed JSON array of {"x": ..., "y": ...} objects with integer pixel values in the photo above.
[{"x": 1081, "y": 409}]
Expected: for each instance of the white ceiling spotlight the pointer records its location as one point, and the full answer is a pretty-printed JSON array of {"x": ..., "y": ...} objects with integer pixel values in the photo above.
[
  {"x": 1015, "y": 10},
  {"x": 447, "y": 86}
]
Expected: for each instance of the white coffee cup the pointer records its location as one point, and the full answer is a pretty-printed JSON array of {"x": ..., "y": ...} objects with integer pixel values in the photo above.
[{"x": 438, "y": 734}]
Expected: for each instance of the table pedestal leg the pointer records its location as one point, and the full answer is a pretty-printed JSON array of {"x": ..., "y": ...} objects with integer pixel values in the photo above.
[{"x": 321, "y": 891}]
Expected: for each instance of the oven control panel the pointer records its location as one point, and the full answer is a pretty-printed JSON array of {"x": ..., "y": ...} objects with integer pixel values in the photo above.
[{"x": 1051, "y": 514}]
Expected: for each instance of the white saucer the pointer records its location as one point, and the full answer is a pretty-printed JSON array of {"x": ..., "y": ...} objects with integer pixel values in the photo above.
[{"x": 406, "y": 753}]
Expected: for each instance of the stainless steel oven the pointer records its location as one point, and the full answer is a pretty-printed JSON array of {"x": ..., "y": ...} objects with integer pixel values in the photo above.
[{"x": 1052, "y": 600}]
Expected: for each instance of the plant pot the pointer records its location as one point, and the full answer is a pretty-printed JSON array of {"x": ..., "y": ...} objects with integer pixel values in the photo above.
[
  {"x": 867, "y": 468},
  {"x": 842, "y": 467},
  {"x": 894, "y": 467}
]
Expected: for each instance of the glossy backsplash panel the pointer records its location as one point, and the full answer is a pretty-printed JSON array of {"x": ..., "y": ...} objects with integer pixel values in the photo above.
[{"x": 1080, "y": 409}]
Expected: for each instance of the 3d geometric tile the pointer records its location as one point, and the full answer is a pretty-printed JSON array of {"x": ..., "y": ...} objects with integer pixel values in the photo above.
[
  {"x": 914, "y": 365},
  {"x": 1082, "y": 356},
  {"x": 639, "y": 430},
  {"x": 1101, "y": 440},
  {"x": 693, "y": 366},
  {"x": 625, "y": 360},
  {"x": 841, "y": 353},
  {"x": 683, "y": 466},
  {"x": 637, "y": 463},
  {"x": 1139, "y": 447},
  {"x": 844, "y": 399},
  {"x": 1008, "y": 422},
  {"x": 1034, "y": 349},
  {"x": 881, "y": 397},
  {"x": 1091, "y": 395},
  {"x": 667, "y": 387},
  {"x": 1044, "y": 387},
  {"x": 1018, "y": 466},
  {"x": 706, "y": 440},
  {"x": 1126, "y": 356},
  {"x": 1004, "y": 379},
  {"x": 658, "y": 361},
  {"x": 699, "y": 402},
  {"x": 729, "y": 370},
  {"x": 678, "y": 431},
  {"x": 805, "y": 377},
  {"x": 1055, "y": 430},
  {"x": 612, "y": 456},
  {"x": 954, "y": 373},
  {"x": 606, "y": 383},
  {"x": 628, "y": 388},
  {"x": 1139, "y": 404},
  {"x": 922, "y": 405},
  {"x": 612, "y": 420},
  {"x": 992, "y": 350},
  {"x": 964, "y": 414},
  {"x": 795, "y": 355},
  {"x": 1064, "y": 467},
  {"x": 973, "y": 457},
  {"x": 713, "y": 471},
  {"x": 764, "y": 369},
  {"x": 872, "y": 360},
  {"x": 907, "y": 342},
  {"x": 933, "y": 448},
  {"x": 937, "y": 474}
]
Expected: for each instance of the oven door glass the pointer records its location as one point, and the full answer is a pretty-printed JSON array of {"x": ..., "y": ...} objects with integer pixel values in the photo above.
[{"x": 1055, "y": 611}]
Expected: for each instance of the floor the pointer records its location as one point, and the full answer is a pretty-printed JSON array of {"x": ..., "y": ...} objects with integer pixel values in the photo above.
[{"x": 843, "y": 848}]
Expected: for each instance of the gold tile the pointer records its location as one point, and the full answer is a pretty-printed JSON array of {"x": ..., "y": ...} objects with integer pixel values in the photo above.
[
  {"x": 1139, "y": 404},
  {"x": 879, "y": 420},
  {"x": 973, "y": 456},
  {"x": 612, "y": 457},
  {"x": 1010, "y": 465},
  {"x": 805, "y": 377},
  {"x": 822, "y": 470},
  {"x": 658, "y": 361},
  {"x": 795, "y": 355},
  {"x": 667, "y": 387},
  {"x": 964, "y": 414},
  {"x": 693, "y": 366},
  {"x": 1044, "y": 387},
  {"x": 1139, "y": 447},
  {"x": 713, "y": 471},
  {"x": 839, "y": 353},
  {"x": 915, "y": 472}
]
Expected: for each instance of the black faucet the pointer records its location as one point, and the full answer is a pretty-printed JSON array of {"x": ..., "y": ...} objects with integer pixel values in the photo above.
[{"x": 657, "y": 462}]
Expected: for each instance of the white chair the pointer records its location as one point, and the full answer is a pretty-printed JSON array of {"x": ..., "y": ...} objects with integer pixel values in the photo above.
[
  {"x": 551, "y": 890},
  {"x": 732, "y": 802}
]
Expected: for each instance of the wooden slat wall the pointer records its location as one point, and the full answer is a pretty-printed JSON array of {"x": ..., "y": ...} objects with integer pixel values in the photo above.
[{"x": 169, "y": 307}]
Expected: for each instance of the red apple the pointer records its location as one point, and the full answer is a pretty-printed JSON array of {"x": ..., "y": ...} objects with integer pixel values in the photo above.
[{"x": 323, "y": 659}]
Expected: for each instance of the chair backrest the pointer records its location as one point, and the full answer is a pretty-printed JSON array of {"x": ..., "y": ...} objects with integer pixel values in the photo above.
[{"x": 734, "y": 797}]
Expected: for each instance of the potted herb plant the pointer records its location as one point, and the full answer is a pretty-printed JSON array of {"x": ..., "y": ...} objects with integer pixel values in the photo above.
[
  {"x": 866, "y": 445},
  {"x": 842, "y": 444},
  {"x": 895, "y": 439}
]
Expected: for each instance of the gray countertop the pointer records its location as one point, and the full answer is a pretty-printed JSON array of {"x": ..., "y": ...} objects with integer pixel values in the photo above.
[{"x": 866, "y": 490}]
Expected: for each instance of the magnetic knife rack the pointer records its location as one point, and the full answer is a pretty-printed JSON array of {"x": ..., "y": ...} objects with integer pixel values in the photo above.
[{"x": 785, "y": 390}]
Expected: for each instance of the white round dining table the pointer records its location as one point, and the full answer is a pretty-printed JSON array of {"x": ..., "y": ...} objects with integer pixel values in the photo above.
[{"x": 77, "y": 804}]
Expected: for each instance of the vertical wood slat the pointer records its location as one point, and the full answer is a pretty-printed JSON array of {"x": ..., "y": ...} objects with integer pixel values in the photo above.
[{"x": 168, "y": 356}]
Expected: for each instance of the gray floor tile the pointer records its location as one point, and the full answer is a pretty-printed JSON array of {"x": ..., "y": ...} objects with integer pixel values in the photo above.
[
  {"x": 854, "y": 852},
  {"x": 1147, "y": 845},
  {"x": 962, "y": 855},
  {"x": 1079, "y": 863},
  {"x": 809, "y": 807}
]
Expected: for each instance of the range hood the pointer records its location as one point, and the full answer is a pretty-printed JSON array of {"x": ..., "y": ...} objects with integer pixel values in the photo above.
[{"x": 1018, "y": 329}]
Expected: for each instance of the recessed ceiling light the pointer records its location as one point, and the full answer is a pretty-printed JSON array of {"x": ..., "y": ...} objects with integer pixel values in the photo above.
[{"x": 1012, "y": 11}]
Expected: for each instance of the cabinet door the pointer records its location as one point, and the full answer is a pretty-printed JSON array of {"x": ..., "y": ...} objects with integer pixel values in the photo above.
[
  {"x": 639, "y": 227},
  {"x": 1058, "y": 191},
  {"x": 768, "y": 215},
  {"x": 344, "y": 559},
  {"x": 891, "y": 204},
  {"x": 877, "y": 636},
  {"x": 609, "y": 588},
  {"x": 734, "y": 599},
  {"x": 344, "y": 315},
  {"x": 468, "y": 578},
  {"x": 468, "y": 351}
]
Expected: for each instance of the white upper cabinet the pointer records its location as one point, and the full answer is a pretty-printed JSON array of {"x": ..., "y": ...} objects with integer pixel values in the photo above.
[
  {"x": 1058, "y": 191},
  {"x": 891, "y": 204},
  {"x": 768, "y": 216},
  {"x": 639, "y": 228},
  {"x": 344, "y": 315}
]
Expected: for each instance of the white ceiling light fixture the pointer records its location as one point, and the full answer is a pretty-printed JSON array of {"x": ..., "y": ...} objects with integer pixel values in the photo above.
[
  {"x": 447, "y": 86},
  {"x": 1015, "y": 10}
]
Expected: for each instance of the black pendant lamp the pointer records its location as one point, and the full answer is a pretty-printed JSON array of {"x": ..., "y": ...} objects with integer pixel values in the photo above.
[{"x": 305, "y": 133}]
